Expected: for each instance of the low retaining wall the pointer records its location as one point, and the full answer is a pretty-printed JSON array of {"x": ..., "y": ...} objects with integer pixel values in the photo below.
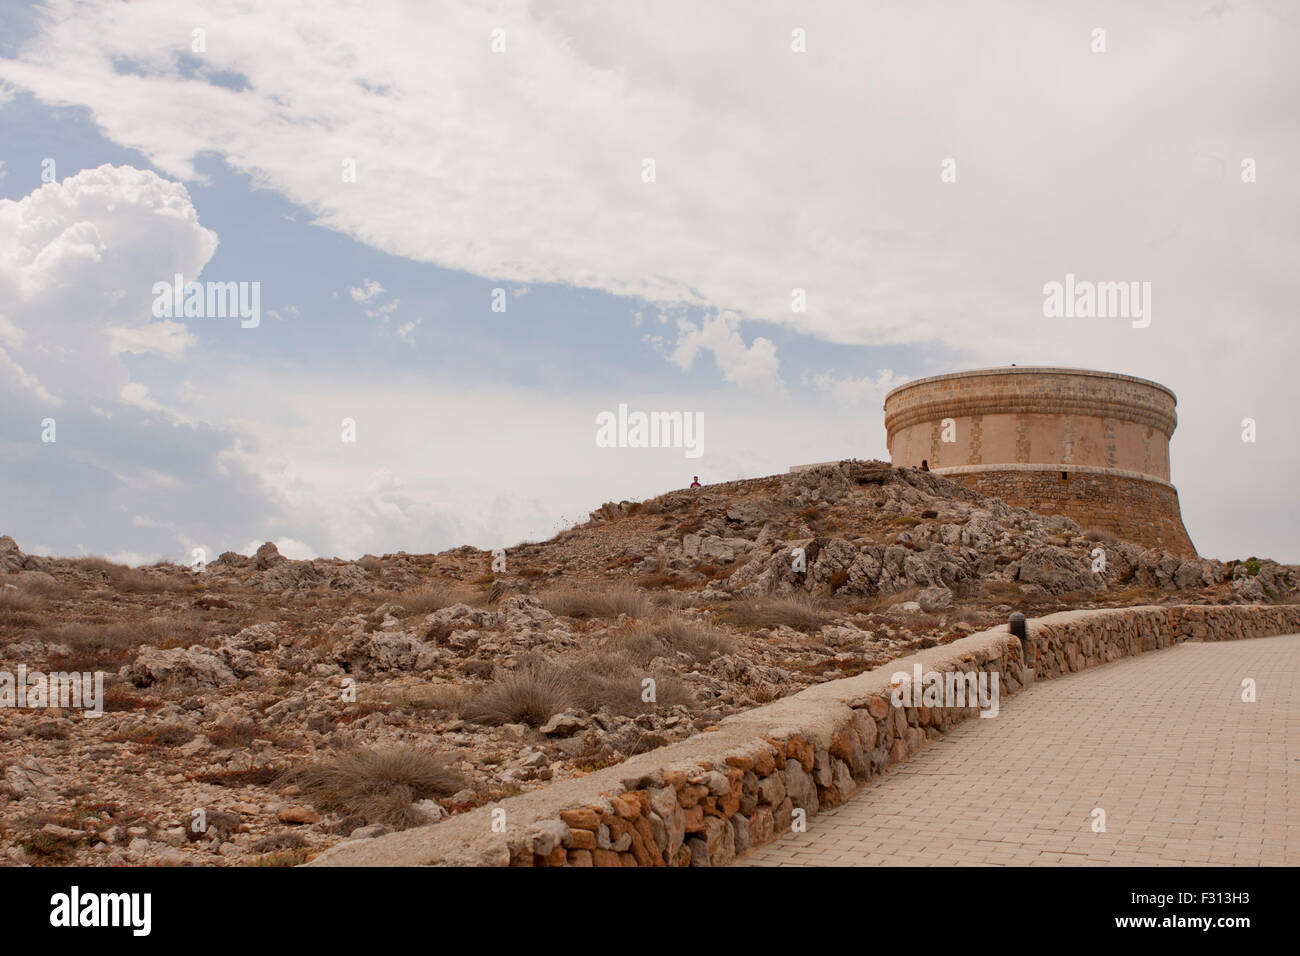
[{"x": 707, "y": 800}]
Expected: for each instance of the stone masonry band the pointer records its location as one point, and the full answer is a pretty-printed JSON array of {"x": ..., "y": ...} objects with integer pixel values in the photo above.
[{"x": 1057, "y": 391}]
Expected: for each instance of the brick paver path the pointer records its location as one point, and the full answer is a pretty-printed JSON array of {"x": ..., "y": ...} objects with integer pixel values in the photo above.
[{"x": 1186, "y": 772}]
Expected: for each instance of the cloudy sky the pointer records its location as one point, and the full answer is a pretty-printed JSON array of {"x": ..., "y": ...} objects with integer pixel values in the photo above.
[{"x": 499, "y": 153}]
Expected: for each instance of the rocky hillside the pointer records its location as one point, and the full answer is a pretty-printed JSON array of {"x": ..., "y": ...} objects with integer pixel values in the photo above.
[{"x": 261, "y": 709}]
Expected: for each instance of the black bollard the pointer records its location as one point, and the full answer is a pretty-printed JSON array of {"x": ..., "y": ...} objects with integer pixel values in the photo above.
[{"x": 1020, "y": 628}]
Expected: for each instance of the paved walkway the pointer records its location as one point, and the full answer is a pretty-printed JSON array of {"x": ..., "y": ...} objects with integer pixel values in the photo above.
[{"x": 1186, "y": 772}]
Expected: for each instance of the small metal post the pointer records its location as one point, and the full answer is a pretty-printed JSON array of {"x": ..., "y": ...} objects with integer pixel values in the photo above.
[{"x": 1019, "y": 627}]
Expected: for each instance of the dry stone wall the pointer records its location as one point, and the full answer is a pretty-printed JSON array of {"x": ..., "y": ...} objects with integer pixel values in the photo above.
[
  {"x": 709, "y": 799},
  {"x": 1132, "y": 509}
]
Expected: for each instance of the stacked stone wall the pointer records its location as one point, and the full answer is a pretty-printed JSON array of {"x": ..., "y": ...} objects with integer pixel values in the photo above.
[
  {"x": 1132, "y": 509},
  {"x": 708, "y": 800}
]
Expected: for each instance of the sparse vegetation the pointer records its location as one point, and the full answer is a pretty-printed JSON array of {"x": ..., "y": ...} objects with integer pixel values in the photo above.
[
  {"x": 296, "y": 857},
  {"x": 446, "y": 697},
  {"x": 435, "y": 597},
  {"x": 237, "y": 733},
  {"x": 131, "y": 580},
  {"x": 532, "y": 695},
  {"x": 801, "y": 613},
  {"x": 672, "y": 634},
  {"x": 378, "y": 784},
  {"x": 589, "y": 603},
  {"x": 614, "y": 683},
  {"x": 15, "y": 599}
]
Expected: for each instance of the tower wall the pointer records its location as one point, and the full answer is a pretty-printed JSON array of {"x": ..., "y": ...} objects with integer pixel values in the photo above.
[{"x": 1093, "y": 446}]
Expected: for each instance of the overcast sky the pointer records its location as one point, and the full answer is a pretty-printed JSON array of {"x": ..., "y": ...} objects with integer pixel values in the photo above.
[{"x": 524, "y": 170}]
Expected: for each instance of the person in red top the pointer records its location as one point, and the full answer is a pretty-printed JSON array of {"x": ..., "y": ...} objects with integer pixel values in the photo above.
[{"x": 696, "y": 482}]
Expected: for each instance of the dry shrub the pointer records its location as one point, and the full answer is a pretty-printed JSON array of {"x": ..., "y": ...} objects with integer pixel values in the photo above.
[
  {"x": 532, "y": 694},
  {"x": 676, "y": 600},
  {"x": 102, "y": 644},
  {"x": 434, "y": 597},
  {"x": 970, "y": 615},
  {"x": 663, "y": 579},
  {"x": 84, "y": 636},
  {"x": 377, "y": 784},
  {"x": 586, "y": 603},
  {"x": 43, "y": 585},
  {"x": 18, "y": 621},
  {"x": 131, "y": 580},
  {"x": 612, "y": 681},
  {"x": 16, "y": 606},
  {"x": 665, "y": 636},
  {"x": 879, "y": 602},
  {"x": 239, "y": 733},
  {"x": 94, "y": 564},
  {"x": 254, "y": 777},
  {"x": 284, "y": 840},
  {"x": 162, "y": 735},
  {"x": 449, "y": 698},
  {"x": 504, "y": 587},
  {"x": 295, "y": 857},
  {"x": 18, "y": 599},
  {"x": 1144, "y": 595},
  {"x": 1001, "y": 591},
  {"x": 607, "y": 679},
  {"x": 799, "y": 612}
]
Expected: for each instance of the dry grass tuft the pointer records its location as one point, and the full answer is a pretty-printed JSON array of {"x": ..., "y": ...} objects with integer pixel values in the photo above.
[
  {"x": 18, "y": 599},
  {"x": 799, "y": 612},
  {"x": 434, "y": 597},
  {"x": 449, "y": 698},
  {"x": 379, "y": 785},
  {"x": 131, "y": 580},
  {"x": 531, "y": 695},
  {"x": 663, "y": 637},
  {"x": 612, "y": 681},
  {"x": 586, "y": 603}
]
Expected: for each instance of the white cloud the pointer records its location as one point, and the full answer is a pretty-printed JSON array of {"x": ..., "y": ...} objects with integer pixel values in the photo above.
[
  {"x": 489, "y": 465},
  {"x": 856, "y": 390},
  {"x": 27, "y": 384},
  {"x": 78, "y": 260},
  {"x": 775, "y": 170},
  {"x": 753, "y": 365},
  {"x": 369, "y": 289},
  {"x": 134, "y": 559},
  {"x": 165, "y": 337}
]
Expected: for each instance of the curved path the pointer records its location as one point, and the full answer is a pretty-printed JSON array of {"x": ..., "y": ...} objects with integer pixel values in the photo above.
[{"x": 1185, "y": 771}]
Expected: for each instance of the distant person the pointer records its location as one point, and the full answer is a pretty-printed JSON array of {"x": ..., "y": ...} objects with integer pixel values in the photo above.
[
  {"x": 925, "y": 465},
  {"x": 695, "y": 483}
]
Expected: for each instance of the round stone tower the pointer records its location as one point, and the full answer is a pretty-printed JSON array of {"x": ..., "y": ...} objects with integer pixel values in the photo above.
[{"x": 1093, "y": 446}]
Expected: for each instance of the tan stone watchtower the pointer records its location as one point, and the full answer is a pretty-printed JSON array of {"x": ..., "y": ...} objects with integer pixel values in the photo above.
[{"x": 1093, "y": 446}]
